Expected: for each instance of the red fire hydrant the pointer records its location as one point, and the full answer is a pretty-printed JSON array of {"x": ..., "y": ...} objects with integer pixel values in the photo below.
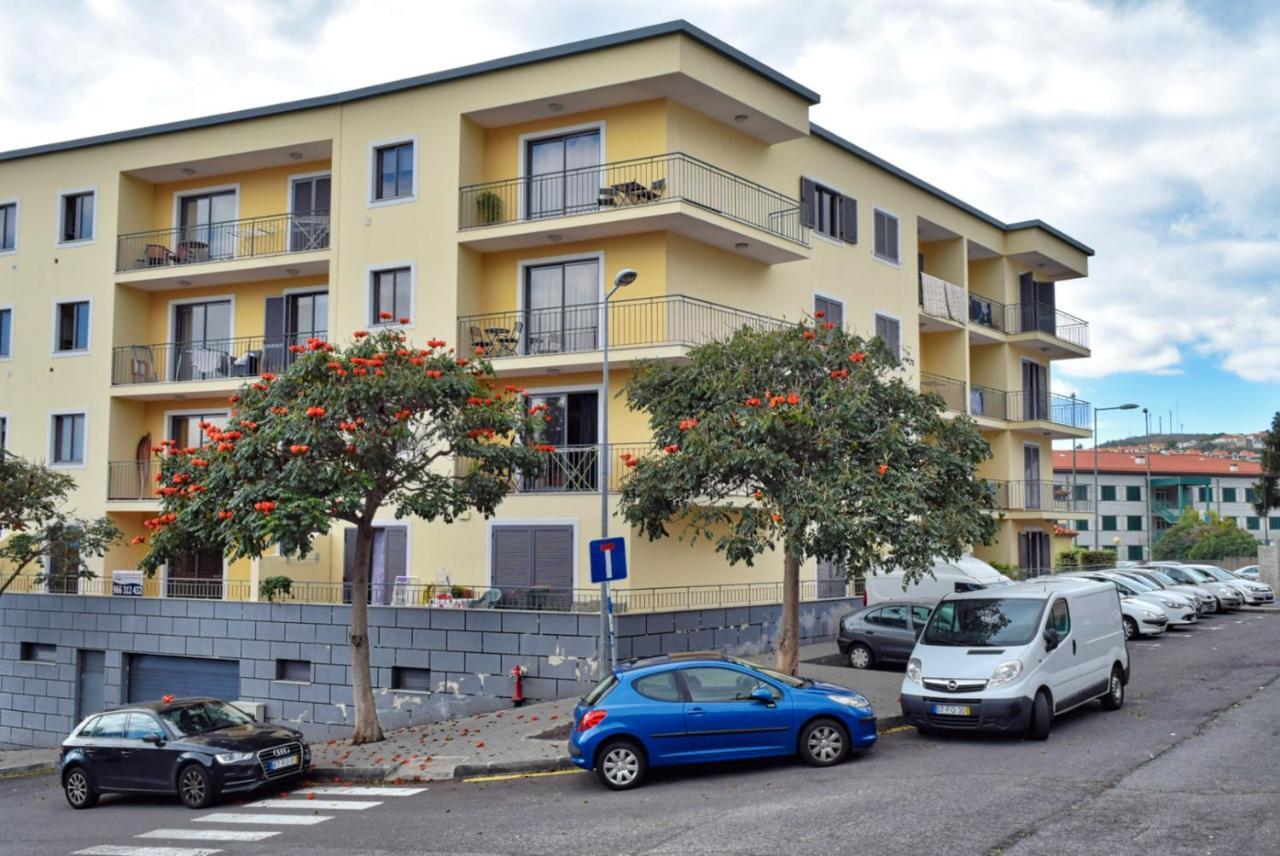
[{"x": 517, "y": 695}]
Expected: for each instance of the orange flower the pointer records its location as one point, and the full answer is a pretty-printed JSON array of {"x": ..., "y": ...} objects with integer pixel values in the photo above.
[
  {"x": 686, "y": 424},
  {"x": 386, "y": 316},
  {"x": 265, "y": 507},
  {"x": 226, "y": 515},
  {"x": 360, "y": 334},
  {"x": 808, "y": 334},
  {"x": 828, "y": 325},
  {"x": 758, "y": 494},
  {"x": 630, "y": 462},
  {"x": 138, "y": 539},
  {"x": 671, "y": 449},
  {"x": 793, "y": 398},
  {"x": 857, "y": 357},
  {"x": 434, "y": 373},
  {"x": 753, "y": 402},
  {"x": 819, "y": 314},
  {"x": 199, "y": 462},
  {"x": 232, "y": 399},
  {"x": 777, "y": 518},
  {"x": 883, "y": 468},
  {"x": 405, "y": 319},
  {"x": 268, "y": 376},
  {"x": 316, "y": 412},
  {"x": 300, "y": 449}
]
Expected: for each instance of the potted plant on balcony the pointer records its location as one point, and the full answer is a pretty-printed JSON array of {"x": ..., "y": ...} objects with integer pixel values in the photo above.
[{"x": 489, "y": 206}]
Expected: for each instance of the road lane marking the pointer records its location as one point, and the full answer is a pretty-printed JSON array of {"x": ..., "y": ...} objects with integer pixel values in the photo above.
[
  {"x": 210, "y": 834},
  {"x": 337, "y": 791},
  {"x": 117, "y": 850},
  {"x": 265, "y": 819},
  {"x": 504, "y": 777},
  {"x": 319, "y": 805}
]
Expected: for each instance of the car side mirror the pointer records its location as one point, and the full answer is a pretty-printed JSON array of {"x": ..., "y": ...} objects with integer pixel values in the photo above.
[
  {"x": 762, "y": 694},
  {"x": 155, "y": 738},
  {"x": 1051, "y": 639}
]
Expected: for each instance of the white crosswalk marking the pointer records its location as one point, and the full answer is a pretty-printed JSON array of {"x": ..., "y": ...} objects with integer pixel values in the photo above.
[
  {"x": 115, "y": 850},
  {"x": 319, "y": 805},
  {"x": 337, "y": 791},
  {"x": 265, "y": 819},
  {"x": 209, "y": 834}
]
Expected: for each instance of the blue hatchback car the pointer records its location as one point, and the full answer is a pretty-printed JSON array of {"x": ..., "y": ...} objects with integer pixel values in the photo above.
[{"x": 703, "y": 707}]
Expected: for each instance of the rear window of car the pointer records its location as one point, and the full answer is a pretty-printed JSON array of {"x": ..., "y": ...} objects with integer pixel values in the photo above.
[
  {"x": 600, "y": 690},
  {"x": 86, "y": 729},
  {"x": 660, "y": 686}
]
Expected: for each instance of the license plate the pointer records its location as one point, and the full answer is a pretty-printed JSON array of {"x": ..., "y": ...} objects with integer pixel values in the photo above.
[
  {"x": 280, "y": 763},
  {"x": 951, "y": 709}
]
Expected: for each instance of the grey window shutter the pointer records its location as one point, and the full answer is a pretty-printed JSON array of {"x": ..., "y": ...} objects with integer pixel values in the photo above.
[
  {"x": 348, "y": 554},
  {"x": 553, "y": 557},
  {"x": 835, "y": 312},
  {"x": 807, "y": 192},
  {"x": 849, "y": 220},
  {"x": 512, "y": 557},
  {"x": 273, "y": 335},
  {"x": 891, "y": 238},
  {"x": 895, "y": 337},
  {"x": 397, "y": 552}
]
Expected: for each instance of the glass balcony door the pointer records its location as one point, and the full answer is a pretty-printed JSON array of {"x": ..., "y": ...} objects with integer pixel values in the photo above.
[
  {"x": 561, "y": 179},
  {"x": 307, "y": 316},
  {"x": 202, "y": 340},
  {"x": 185, "y": 430},
  {"x": 309, "y": 226},
  {"x": 571, "y": 425},
  {"x": 562, "y": 307},
  {"x": 207, "y": 227}
]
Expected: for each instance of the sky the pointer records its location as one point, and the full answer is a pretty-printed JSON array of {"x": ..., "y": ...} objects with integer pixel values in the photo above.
[{"x": 1147, "y": 130}]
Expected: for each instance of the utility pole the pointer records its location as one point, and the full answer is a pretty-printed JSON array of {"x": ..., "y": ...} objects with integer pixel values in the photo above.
[{"x": 1150, "y": 525}]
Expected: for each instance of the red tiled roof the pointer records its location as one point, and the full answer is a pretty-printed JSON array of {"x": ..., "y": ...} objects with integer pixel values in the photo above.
[
  {"x": 1064, "y": 532},
  {"x": 1174, "y": 464}
]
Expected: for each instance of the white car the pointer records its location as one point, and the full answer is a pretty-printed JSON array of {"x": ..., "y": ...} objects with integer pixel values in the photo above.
[
  {"x": 1228, "y": 597},
  {"x": 1141, "y": 619},
  {"x": 1179, "y": 608},
  {"x": 1205, "y": 601},
  {"x": 1254, "y": 593},
  {"x": 1248, "y": 572}
]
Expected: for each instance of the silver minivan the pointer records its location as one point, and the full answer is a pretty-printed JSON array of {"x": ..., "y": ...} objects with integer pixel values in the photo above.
[{"x": 1013, "y": 658}]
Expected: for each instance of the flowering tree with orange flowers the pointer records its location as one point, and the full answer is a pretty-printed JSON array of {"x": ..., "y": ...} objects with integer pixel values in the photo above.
[
  {"x": 338, "y": 435},
  {"x": 812, "y": 439}
]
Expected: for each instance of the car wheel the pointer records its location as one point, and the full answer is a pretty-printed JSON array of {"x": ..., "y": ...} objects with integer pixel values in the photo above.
[
  {"x": 1041, "y": 717},
  {"x": 824, "y": 742},
  {"x": 194, "y": 788},
  {"x": 79, "y": 788},
  {"x": 860, "y": 657},
  {"x": 1114, "y": 699},
  {"x": 621, "y": 766},
  {"x": 1130, "y": 628}
]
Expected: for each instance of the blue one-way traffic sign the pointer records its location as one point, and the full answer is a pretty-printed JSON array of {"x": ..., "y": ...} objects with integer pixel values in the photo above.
[{"x": 608, "y": 559}]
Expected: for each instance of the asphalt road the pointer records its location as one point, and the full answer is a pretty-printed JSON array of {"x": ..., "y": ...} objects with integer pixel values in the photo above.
[{"x": 1188, "y": 766}]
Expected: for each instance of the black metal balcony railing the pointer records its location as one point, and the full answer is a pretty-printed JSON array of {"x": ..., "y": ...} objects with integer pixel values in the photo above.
[
  {"x": 1035, "y": 495},
  {"x": 250, "y": 237},
  {"x": 1020, "y": 406},
  {"x": 949, "y": 389},
  {"x": 627, "y": 184},
  {"x": 574, "y": 469},
  {"x": 211, "y": 359},
  {"x": 646, "y": 321},
  {"x": 1016, "y": 318},
  {"x": 131, "y": 480},
  {"x": 987, "y": 401}
]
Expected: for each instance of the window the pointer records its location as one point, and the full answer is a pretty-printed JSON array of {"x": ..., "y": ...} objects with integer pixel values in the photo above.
[
  {"x": 1060, "y": 618},
  {"x": 1255, "y": 523},
  {"x": 1108, "y": 493},
  {"x": 1206, "y": 494},
  {"x": 111, "y": 725},
  {"x": 140, "y": 725},
  {"x": 38, "y": 652},
  {"x": 561, "y": 312},
  {"x": 1081, "y": 525},
  {"x": 828, "y": 212},
  {"x": 890, "y": 329},
  {"x": 890, "y": 616},
  {"x": 77, "y": 217},
  {"x": 715, "y": 684},
  {"x": 920, "y": 616},
  {"x": 393, "y": 171},
  {"x": 1133, "y": 522},
  {"x": 1108, "y": 523},
  {"x": 68, "y": 439},
  {"x": 1133, "y": 493},
  {"x": 1134, "y": 553},
  {"x": 1273, "y": 523},
  {"x": 886, "y": 239},
  {"x": 391, "y": 296},
  {"x": 1228, "y": 494},
  {"x": 297, "y": 671},
  {"x": 6, "y": 333},
  {"x": 1249, "y": 494},
  {"x": 659, "y": 687},
  {"x": 409, "y": 678},
  {"x": 561, "y": 178},
  {"x": 8, "y": 227},
  {"x": 1080, "y": 493},
  {"x": 71, "y": 326},
  {"x": 826, "y": 309},
  {"x": 63, "y": 565}
]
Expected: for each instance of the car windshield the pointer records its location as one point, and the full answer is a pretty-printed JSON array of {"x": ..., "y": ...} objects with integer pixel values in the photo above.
[
  {"x": 984, "y": 623},
  {"x": 770, "y": 673},
  {"x": 203, "y": 716},
  {"x": 1140, "y": 584},
  {"x": 1160, "y": 576},
  {"x": 1197, "y": 575},
  {"x": 1219, "y": 574}
]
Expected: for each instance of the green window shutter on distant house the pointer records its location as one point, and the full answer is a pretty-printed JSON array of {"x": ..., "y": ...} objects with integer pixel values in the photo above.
[
  {"x": 1135, "y": 553},
  {"x": 1133, "y": 493},
  {"x": 1108, "y": 523},
  {"x": 1134, "y": 523},
  {"x": 1228, "y": 494},
  {"x": 1108, "y": 493}
]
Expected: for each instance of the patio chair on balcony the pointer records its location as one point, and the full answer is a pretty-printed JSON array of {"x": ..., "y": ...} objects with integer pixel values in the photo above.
[
  {"x": 155, "y": 255},
  {"x": 141, "y": 365},
  {"x": 658, "y": 188},
  {"x": 488, "y": 600},
  {"x": 509, "y": 343},
  {"x": 480, "y": 340},
  {"x": 609, "y": 197}
]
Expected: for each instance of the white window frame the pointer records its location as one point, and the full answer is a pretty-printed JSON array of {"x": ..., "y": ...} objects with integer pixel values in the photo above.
[
  {"x": 88, "y": 341},
  {"x": 529, "y": 521},
  {"x": 13, "y": 312},
  {"x": 877, "y": 256},
  {"x": 830, "y": 298},
  {"x": 53, "y": 437},
  {"x": 17, "y": 217},
  {"x": 522, "y": 157},
  {"x": 372, "y": 323},
  {"x": 371, "y": 199},
  {"x": 179, "y": 195},
  {"x": 188, "y": 301},
  {"x": 196, "y": 411},
  {"x": 830, "y": 188},
  {"x": 880, "y": 313},
  {"x": 319, "y": 173},
  {"x": 62, "y": 213}
]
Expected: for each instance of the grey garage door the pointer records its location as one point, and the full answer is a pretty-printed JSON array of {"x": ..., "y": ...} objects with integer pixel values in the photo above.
[
  {"x": 533, "y": 565},
  {"x": 152, "y": 676}
]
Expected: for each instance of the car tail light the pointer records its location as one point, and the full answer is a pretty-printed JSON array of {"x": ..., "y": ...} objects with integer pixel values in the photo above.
[{"x": 591, "y": 719}]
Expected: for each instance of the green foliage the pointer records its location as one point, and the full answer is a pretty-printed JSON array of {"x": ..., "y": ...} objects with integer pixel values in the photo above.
[
  {"x": 1011, "y": 571},
  {"x": 1097, "y": 558},
  {"x": 808, "y": 438},
  {"x": 1175, "y": 543},
  {"x": 274, "y": 587},
  {"x": 32, "y": 499},
  {"x": 1069, "y": 560},
  {"x": 338, "y": 435},
  {"x": 489, "y": 205},
  {"x": 1193, "y": 538},
  {"x": 1267, "y": 488}
]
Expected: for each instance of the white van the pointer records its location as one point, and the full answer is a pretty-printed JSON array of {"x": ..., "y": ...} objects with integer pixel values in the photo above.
[
  {"x": 950, "y": 576},
  {"x": 1010, "y": 659}
]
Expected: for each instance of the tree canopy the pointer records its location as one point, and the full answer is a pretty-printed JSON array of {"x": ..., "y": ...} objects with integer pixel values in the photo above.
[
  {"x": 812, "y": 439},
  {"x": 1196, "y": 538},
  {"x": 1266, "y": 491}
]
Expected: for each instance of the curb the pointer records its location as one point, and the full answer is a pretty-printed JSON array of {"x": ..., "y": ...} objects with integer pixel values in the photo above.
[
  {"x": 544, "y": 765},
  {"x": 23, "y": 769},
  {"x": 354, "y": 774},
  {"x": 886, "y": 722}
]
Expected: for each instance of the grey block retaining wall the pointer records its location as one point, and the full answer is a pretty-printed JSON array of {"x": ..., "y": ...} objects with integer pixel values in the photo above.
[{"x": 470, "y": 653}]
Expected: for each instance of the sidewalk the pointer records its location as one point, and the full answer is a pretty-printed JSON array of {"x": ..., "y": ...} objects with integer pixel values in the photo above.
[{"x": 19, "y": 759}]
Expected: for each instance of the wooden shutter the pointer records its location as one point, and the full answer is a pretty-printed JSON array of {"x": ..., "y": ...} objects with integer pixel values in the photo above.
[
  {"x": 512, "y": 557},
  {"x": 397, "y": 552},
  {"x": 553, "y": 557},
  {"x": 273, "y": 335},
  {"x": 849, "y": 219},
  {"x": 807, "y": 192}
]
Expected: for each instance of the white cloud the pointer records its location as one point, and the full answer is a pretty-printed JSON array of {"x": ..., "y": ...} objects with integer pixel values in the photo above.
[{"x": 1147, "y": 130}]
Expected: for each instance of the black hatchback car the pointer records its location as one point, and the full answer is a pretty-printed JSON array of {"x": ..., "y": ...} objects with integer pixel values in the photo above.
[
  {"x": 884, "y": 633},
  {"x": 199, "y": 748}
]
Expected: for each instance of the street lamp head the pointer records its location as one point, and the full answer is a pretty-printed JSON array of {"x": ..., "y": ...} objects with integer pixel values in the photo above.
[
  {"x": 1129, "y": 406},
  {"x": 626, "y": 276}
]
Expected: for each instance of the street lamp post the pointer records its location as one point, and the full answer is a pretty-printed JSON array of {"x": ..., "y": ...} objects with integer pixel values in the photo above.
[
  {"x": 1150, "y": 522},
  {"x": 1096, "y": 497},
  {"x": 608, "y": 647}
]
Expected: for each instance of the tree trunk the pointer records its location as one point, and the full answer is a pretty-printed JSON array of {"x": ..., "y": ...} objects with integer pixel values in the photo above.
[
  {"x": 789, "y": 631},
  {"x": 368, "y": 729}
]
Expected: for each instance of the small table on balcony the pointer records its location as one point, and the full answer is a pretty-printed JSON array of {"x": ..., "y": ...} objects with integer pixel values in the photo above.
[{"x": 505, "y": 343}]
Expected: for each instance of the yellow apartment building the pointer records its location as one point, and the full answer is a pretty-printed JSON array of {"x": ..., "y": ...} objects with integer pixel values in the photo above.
[{"x": 145, "y": 275}]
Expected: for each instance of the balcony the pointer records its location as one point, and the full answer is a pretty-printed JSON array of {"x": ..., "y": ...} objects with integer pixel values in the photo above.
[
  {"x": 1066, "y": 416},
  {"x": 1038, "y": 496},
  {"x": 164, "y": 253},
  {"x": 1066, "y": 335},
  {"x": 131, "y": 481},
  {"x": 572, "y": 469},
  {"x": 673, "y": 321},
  {"x": 672, "y": 192},
  {"x": 942, "y": 305},
  {"x": 949, "y": 389},
  {"x": 204, "y": 361}
]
